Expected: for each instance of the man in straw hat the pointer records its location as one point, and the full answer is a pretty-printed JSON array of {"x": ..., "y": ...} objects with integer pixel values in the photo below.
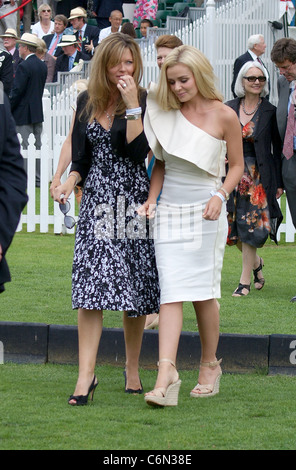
[
  {"x": 27, "y": 91},
  {"x": 71, "y": 55},
  {"x": 9, "y": 21},
  {"x": 86, "y": 34},
  {"x": 9, "y": 42}
]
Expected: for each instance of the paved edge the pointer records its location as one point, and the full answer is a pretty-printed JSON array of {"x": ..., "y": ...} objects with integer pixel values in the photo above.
[{"x": 42, "y": 343}]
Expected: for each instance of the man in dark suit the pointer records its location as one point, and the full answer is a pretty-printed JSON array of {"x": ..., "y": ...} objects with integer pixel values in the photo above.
[
  {"x": 256, "y": 47},
  {"x": 70, "y": 56},
  {"x": 13, "y": 184},
  {"x": 86, "y": 34},
  {"x": 9, "y": 42},
  {"x": 283, "y": 55},
  {"x": 52, "y": 40},
  {"x": 27, "y": 91},
  {"x": 102, "y": 11}
]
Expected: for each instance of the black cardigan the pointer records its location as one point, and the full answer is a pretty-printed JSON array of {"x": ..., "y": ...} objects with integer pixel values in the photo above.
[
  {"x": 268, "y": 146},
  {"x": 136, "y": 150}
]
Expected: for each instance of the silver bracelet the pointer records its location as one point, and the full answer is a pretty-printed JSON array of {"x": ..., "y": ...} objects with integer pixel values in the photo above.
[
  {"x": 216, "y": 193},
  {"x": 132, "y": 117},
  {"x": 133, "y": 111}
]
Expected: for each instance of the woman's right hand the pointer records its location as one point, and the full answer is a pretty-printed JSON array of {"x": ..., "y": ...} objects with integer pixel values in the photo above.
[
  {"x": 54, "y": 184},
  {"x": 63, "y": 191},
  {"x": 147, "y": 209}
]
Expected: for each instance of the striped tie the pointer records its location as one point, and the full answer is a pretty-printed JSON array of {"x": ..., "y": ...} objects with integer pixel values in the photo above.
[{"x": 79, "y": 45}]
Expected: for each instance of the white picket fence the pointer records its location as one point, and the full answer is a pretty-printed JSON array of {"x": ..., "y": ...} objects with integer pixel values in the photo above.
[{"x": 221, "y": 33}]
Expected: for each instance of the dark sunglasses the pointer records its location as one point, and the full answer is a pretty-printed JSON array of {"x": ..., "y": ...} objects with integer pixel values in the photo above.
[
  {"x": 253, "y": 79},
  {"x": 48, "y": 11},
  {"x": 69, "y": 221}
]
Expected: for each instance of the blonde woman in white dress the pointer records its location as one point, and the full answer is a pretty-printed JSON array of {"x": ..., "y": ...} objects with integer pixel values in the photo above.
[{"x": 190, "y": 131}]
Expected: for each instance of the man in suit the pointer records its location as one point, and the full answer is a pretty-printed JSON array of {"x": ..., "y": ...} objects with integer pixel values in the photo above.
[
  {"x": 70, "y": 56},
  {"x": 256, "y": 48},
  {"x": 27, "y": 91},
  {"x": 283, "y": 55},
  {"x": 13, "y": 184},
  {"x": 102, "y": 11},
  {"x": 86, "y": 34},
  {"x": 52, "y": 40},
  {"x": 9, "y": 42}
]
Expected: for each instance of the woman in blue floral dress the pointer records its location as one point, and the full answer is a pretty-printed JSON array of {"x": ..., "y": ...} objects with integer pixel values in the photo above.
[{"x": 114, "y": 265}]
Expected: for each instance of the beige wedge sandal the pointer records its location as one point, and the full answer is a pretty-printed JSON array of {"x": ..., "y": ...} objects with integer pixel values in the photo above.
[
  {"x": 162, "y": 396},
  {"x": 208, "y": 390}
]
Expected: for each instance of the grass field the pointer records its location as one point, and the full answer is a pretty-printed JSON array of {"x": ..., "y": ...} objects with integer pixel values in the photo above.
[
  {"x": 40, "y": 290},
  {"x": 252, "y": 411}
]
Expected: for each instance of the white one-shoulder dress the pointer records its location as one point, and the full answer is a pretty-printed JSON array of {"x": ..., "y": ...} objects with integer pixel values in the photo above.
[{"x": 189, "y": 249}]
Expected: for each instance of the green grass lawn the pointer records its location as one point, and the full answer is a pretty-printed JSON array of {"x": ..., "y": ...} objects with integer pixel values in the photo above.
[
  {"x": 40, "y": 290},
  {"x": 252, "y": 411}
]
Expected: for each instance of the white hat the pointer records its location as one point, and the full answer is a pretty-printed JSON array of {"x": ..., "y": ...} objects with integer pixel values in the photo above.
[
  {"x": 68, "y": 40},
  {"x": 77, "y": 12},
  {"x": 28, "y": 39},
  {"x": 9, "y": 33}
]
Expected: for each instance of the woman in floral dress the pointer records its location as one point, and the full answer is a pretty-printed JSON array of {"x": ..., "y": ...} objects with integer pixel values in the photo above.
[
  {"x": 253, "y": 211},
  {"x": 144, "y": 10},
  {"x": 114, "y": 265}
]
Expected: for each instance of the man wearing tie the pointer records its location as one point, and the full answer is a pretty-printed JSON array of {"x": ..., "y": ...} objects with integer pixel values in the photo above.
[
  {"x": 86, "y": 34},
  {"x": 70, "y": 56},
  {"x": 52, "y": 40},
  {"x": 256, "y": 48},
  {"x": 283, "y": 55}
]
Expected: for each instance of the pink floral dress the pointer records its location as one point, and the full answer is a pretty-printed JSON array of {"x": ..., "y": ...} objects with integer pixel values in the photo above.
[{"x": 144, "y": 10}]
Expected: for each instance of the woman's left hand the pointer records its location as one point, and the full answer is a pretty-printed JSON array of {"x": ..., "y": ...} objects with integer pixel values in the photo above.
[
  {"x": 127, "y": 87},
  {"x": 213, "y": 209}
]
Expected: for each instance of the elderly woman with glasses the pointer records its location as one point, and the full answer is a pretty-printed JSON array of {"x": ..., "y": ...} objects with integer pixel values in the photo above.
[
  {"x": 45, "y": 24},
  {"x": 253, "y": 211}
]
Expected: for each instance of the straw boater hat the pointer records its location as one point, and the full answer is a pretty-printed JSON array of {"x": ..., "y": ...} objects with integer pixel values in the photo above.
[
  {"x": 68, "y": 40},
  {"x": 9, "y": 33},
  {"x": 28, "y": 39},
  {"x": 76, "y": 13}
]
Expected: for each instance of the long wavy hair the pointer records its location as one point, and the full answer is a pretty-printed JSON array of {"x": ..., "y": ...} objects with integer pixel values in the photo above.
[
  {"x": 201, "y": 69},
  {"x": 107, "y": 55}
]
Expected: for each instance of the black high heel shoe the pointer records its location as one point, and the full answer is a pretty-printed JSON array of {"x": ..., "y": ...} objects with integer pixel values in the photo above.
[
  {"x": 130, "y": 390},
  {"x": 83, "y": 399},
  {"x": 259, "y": 280}
]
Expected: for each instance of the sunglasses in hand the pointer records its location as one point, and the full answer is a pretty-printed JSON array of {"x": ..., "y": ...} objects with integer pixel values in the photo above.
[{"x": 69, "y": 221}]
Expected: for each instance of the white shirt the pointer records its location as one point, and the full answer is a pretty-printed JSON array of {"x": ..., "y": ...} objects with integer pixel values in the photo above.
[
  {"x": 106, "y": 32},
  {"x": 37, "y": 29}
]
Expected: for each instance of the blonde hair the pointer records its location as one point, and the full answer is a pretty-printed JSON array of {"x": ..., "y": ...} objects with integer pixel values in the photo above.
[
  {"x": 201, "y": 69},
  {"x": 107, "y": 55},
  {"x": 44, "y": 6}
]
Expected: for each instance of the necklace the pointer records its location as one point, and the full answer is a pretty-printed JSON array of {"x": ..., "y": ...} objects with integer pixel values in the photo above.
[
  {"x": 109, "y": 117},
  {"x": 252, "y": 112}
]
